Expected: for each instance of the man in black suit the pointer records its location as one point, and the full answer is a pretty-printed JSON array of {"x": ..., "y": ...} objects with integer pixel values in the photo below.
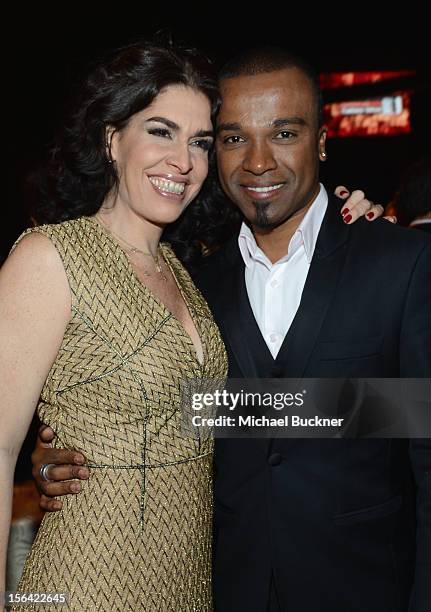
[
  {"x": 313, "y": 525},
  {"x": 303, "y": 525}
]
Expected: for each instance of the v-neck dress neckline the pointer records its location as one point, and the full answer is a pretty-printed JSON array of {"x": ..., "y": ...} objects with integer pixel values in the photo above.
[{"x": 167, "y": 255}]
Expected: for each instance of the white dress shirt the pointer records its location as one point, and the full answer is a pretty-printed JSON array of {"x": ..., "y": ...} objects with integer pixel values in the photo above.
[{"x": 275, "y": 290}]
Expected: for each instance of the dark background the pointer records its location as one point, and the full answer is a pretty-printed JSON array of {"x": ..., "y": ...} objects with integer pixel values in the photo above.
[
  {"x": 50, "y": 52},
  {"x": 47, "y": 53}
]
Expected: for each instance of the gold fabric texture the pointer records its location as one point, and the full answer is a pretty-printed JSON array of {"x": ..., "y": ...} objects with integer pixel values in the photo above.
[{"x": 138, "y": 536}]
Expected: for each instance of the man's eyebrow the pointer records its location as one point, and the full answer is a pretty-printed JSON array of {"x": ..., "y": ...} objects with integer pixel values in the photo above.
[
  {"x": 227, "y": 127},
  {"x": 288, "y": 121},
  {"x": 285, "y": 121},
  {"x": 174, "y": 126}
]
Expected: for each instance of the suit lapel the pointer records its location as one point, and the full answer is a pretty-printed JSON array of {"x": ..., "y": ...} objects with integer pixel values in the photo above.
[
  {"x": 235, "y": 318},
  {"x": 240, "y": 330},
  {"x": 257, "y": 349},
  {"x": 319, "y": 289}
]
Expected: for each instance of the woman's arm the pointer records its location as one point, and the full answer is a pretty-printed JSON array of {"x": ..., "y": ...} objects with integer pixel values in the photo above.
[{"x": 35, "y": 306}]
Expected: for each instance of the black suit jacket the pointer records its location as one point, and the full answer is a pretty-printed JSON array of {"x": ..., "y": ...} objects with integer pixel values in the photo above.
[
  {"x": 425, "y": 227},
  {"x": 343, "y": 525}
]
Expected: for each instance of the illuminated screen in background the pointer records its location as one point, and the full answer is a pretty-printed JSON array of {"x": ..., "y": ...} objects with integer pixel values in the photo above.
[
  {"x": 374, "y": 117},
  {"x": 366, "y": 115}
]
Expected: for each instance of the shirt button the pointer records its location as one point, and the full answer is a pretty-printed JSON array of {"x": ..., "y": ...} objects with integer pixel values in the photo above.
[
  {"x": 274, "y": 283},
  {"x": 273, "y": 337},
  {"x": 275, "y": 459}
]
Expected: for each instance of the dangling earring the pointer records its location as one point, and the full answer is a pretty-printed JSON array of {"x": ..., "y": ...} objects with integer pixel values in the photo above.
[
  {"x": 108, "y": 143},
  {"x": 323, "y": 154}
]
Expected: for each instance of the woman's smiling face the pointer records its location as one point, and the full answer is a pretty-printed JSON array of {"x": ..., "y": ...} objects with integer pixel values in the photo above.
[{"x": 161, "y": 156}]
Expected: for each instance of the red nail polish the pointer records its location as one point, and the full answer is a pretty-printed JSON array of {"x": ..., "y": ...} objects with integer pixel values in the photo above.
[
  {"x": 347, "y": 218},
  {"x": 344, "y": 211},
  {"x": 344, "y": 192},
  {"x": 370, "y": 215}
]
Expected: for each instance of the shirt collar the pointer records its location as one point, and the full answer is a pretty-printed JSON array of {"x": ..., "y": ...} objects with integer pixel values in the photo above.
[{"x": 306, "y": 234}]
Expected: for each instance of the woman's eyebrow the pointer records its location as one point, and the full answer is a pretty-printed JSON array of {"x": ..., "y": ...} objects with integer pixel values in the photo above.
[
  {"x": 173, "y": 126},
  {"x": 203, "y": 133},
  {"x": 167, "y": 122}
]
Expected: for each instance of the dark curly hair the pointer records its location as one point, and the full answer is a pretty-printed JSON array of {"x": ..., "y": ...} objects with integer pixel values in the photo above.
[{"x": 79, "y": 175}]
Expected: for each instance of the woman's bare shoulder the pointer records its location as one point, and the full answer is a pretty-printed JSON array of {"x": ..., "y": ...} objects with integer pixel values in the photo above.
[{"x": 34, "y": 268}]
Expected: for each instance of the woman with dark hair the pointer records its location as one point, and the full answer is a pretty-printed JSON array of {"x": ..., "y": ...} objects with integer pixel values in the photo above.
[{"x": 103, "y": 324}]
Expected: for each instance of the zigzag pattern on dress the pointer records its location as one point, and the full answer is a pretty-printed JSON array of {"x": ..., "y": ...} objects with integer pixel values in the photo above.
[{"x": 138, "y": 536}]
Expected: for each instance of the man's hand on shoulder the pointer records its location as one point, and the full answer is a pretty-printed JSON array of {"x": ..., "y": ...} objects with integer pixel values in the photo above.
[{"x": 61, "y": 465}]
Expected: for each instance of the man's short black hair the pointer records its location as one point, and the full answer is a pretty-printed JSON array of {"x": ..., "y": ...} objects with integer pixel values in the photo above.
[{"x": 259, "y": 60}]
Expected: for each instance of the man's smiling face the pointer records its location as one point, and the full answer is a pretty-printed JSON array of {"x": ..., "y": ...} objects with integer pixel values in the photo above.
[{"x": 268, "y": 144}]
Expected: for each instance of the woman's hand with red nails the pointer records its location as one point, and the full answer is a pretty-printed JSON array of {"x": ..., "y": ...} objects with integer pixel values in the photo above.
[{"x": 356, "y": 205}]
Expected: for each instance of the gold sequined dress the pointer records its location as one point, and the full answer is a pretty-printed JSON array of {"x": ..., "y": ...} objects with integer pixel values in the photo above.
[{"x": 138, "y": 536}]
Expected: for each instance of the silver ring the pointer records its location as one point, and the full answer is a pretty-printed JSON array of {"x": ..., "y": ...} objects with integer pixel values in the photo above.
[{"x": 43, "y": 470}]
